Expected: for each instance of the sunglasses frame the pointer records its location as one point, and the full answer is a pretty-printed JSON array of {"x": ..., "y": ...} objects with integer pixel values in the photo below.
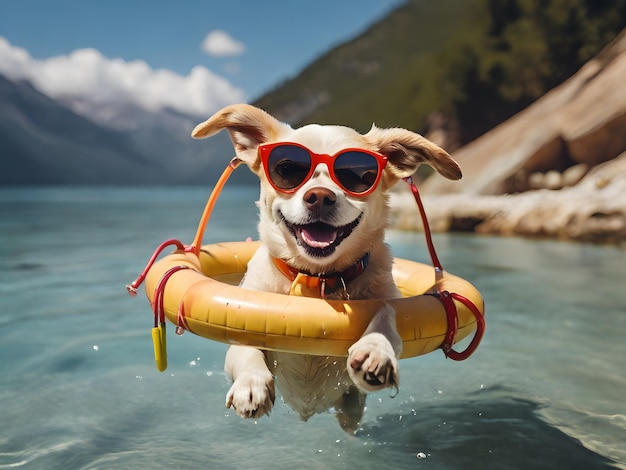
[{"x": 265, "y": 151}]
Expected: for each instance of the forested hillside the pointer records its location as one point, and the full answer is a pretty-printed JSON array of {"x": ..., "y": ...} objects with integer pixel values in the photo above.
[{"x": 457, "y": 66}]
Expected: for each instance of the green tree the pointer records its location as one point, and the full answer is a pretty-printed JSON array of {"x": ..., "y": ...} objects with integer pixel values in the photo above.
[{"x": 511, "y": 52}]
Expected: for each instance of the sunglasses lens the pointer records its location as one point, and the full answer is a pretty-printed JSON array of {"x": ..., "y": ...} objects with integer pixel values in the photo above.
[
  {"x": 288, "y": 166},
  {"x": 356, "y": 171}
]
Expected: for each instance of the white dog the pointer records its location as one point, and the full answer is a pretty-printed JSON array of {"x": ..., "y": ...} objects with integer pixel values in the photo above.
[{"x": 323, "y": 212}]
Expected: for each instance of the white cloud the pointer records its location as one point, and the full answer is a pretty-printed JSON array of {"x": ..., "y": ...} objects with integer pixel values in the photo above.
[
  {"x": 219, "y": 43},
  {"x": 88, "y": 76}
]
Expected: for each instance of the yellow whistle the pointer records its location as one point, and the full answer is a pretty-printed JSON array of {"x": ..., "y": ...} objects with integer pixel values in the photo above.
[{"x": 160, "y": 347}]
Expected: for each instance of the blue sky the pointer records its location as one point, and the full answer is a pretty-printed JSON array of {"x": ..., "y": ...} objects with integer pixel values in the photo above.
[{"x": 263, "y": 42}]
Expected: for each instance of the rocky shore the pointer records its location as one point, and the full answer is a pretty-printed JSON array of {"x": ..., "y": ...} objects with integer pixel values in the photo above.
[
  {"x": 557, "y": 169},
  {"x": 594, "y": 210}
]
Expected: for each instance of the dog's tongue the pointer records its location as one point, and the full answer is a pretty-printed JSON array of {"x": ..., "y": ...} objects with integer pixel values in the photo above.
[{"x": 318, "y": 235}]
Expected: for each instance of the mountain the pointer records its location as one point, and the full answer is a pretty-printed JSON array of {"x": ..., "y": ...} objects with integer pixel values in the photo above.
[
  {"x": 451, "y": 69},
  {"x": 43, "y": 141},
  {"x": 384, "y": 74}
]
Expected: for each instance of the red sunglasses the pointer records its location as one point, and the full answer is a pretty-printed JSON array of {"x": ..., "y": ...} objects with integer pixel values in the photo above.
[{"x": 289, "y": 165}]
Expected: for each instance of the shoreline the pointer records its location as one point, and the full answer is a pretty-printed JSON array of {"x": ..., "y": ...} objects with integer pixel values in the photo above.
[{"x": 593, "y": 211}]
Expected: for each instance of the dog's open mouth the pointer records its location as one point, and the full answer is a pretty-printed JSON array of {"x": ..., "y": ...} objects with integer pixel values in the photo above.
[{"x": 318, "y": 238}]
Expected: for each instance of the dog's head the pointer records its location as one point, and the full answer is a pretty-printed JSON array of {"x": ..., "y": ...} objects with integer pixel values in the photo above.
[{"x": 324, "y": 216}]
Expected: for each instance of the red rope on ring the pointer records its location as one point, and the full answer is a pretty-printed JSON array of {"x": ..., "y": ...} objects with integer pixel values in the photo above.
[
  {"x": 133, "y": 286},
  {"x": 181, "y": 321},
  {"x": 429, "y": 238},
  {"x": 447, "y": 298},
  {"x": 159, "y": 294},
  {"x": 159, "y": 291},
  {"x": 452, "y": 315},
  {"x": 453, "y": 321},
  {"x": 157, "y": 302}
]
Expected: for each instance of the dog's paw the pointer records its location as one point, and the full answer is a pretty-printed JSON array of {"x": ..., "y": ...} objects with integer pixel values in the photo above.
[
  {"x": 372, "y": 363},
  {"x": 252, "y": 394}
]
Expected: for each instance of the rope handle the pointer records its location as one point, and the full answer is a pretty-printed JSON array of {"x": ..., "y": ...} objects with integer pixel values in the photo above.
[
  {"x": 447, "y": 298},
  {"x": 427, "y": 234},
  {"x": 159, "y": 342},
  {"x": 197, "y": 242},
  {"x": 208, "y": 209},
  {"x": 133, "y": 286}
]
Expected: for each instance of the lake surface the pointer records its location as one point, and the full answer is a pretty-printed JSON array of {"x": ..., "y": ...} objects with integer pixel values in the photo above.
[{"x": 79, "y": 389}]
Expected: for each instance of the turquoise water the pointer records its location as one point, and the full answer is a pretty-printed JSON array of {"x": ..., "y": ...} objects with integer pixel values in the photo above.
[{"x": 79, "y": 389}]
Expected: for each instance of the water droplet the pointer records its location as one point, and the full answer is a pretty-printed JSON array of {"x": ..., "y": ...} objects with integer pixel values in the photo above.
[{"x": 421, "y": 455}]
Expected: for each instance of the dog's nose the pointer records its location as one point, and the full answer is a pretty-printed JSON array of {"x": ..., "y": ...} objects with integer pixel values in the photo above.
[{"x": 317, "y": 199}]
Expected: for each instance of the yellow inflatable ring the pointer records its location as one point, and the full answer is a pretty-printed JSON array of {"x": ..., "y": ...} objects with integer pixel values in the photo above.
[{"x": 200, "y": 293}]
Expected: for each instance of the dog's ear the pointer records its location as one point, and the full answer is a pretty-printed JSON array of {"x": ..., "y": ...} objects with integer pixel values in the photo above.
[
  {"x": 248, "y": 127},
  {"x": 406, "y": 150}
]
